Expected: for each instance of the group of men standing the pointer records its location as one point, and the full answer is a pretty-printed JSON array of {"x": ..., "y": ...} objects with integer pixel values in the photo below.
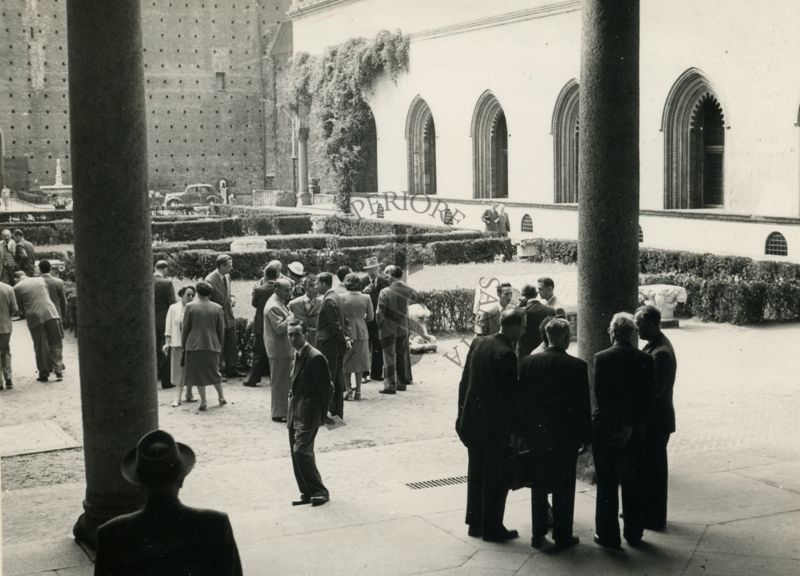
[{"x": 541, "y": 401}]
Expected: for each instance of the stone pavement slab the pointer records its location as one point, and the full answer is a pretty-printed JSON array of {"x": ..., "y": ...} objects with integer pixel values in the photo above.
[
  {"x": 708, "y": 564},
  {"x": 34, "y": 557},
  {"x": 33, "y": 437}
]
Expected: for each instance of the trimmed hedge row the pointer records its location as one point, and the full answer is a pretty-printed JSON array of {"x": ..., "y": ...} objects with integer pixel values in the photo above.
[{"x": 352, "y": 226}]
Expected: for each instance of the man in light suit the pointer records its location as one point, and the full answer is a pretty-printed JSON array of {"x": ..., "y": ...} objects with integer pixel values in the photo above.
[
  {"x": 220, "y": 280},
  {"x": 8, "y": 309},
  {"x": 279, "y": 349},
  {"x": 164, "y": 297},
  {"x": 392, "y": 319},
  {"x": 307, "y": 307},
  {"x": 8, "y": 249},
  {"x": 661, "y": 420},
  {"x": 331, "y": 339},
  {"x": 309, "y": 398},
  {"x": 166, "y": 537},
  {"x": 44, "y": 323}
]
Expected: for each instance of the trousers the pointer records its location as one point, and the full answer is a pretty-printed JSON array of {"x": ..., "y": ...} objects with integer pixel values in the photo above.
[
  {"x": 618, "y": 469},
  {"x": 48, "y": 347},
  {"x": 301, "y": 443},
  {"x": 487, "y": 486}
]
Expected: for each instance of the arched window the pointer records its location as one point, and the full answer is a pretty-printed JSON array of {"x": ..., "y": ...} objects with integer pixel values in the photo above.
[
  {"x": 565, "y": 132},
  {"x": 694, "y": 144},
  {"x": 421, "y": 138},
  {"x": 489, "y": 148},
  {"x": 776, "y": 245},
  {"x": 527, "y": 223},
  {"x": 367, "y": 179}
]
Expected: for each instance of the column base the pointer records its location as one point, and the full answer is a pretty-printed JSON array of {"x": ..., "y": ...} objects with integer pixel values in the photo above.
[{"x": 304, "y": 199}]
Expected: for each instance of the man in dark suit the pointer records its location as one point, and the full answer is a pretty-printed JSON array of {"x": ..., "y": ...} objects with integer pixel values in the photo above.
[
  {"x": 331, "y": 339},
  {"x": 261, "y": 294},
  {"x": 623, "y": 385},
  {"x": 557, "y": 420},
  {"x": 392, "y": 319},
  {"x": 661, "y": 421},
  {"x": 164, "y": 297},
  {"x": 375, "y": 283},
  {"x": 309, "y": 397},
  {"x": 220, "y": 280},
  {"x": 487, "y": 399},
  {"x": 165, "y": 537},
  {"x": 24, "y": 253},
  {"x": 535, "y": 312}
]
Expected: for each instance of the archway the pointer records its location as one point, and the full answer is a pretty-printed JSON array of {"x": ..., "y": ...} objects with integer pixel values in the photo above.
[
  {"x": 489, "y": 148},
  {"x": 565, "y": 130},
  {"x": 421, "y": 138}
]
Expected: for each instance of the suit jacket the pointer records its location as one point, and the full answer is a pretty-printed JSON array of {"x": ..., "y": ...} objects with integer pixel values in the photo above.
[
  {"x": 308, "y": 311},
  {"x": 357, "y": 311},
  {"x": 311, "y": 389},
  {"x": 261, "y": 294},
  {"x": 164, "y": 295},
  {"x": 392, "y": 313},
  {"x": 623, "y": 389},
  {"x": 276, "y": 328},
  {"x": 203, "y": 326},
  {"x": 55, "y": 288},
  {"x": 34, "y": 301},
  {"x": 381, "y": 282},
  {"x": 9, "y": 251},
  {"x": 8, "y": 307},
  {"x": 535, "y": 312},
  {"x": 662, "y": 416},
  {"x": 222, "y": 295},
  {"x": 167, "y": 538},
  {"x": 25, "y": 255},
  {"x": 555, "y": 404},
  {"x": 331, "y": 323},
  {"x": 488, "y": 392}
]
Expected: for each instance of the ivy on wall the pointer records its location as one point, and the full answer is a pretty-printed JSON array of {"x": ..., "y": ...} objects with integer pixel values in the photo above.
[{"x": 331, "y": 88}]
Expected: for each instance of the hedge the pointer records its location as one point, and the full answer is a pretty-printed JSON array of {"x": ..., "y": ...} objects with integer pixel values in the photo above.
[
  {"x": 14, "y": 218},
  {"x": 351, "y": 226}
]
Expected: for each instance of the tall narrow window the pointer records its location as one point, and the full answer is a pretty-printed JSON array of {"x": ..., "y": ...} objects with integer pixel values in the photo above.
[
  {"x": 489, "y": 148},
  {"x": 220, "y": 80},
  {"x": 694, "y": 144},
  {"x": 367, "y": 179},
  {"x": 421, "y": 138},
  {"x": 565, "y": 132}
]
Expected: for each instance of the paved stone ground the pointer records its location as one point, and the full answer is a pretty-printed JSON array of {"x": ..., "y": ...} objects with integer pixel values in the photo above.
[{"x": 734, "y": 493}]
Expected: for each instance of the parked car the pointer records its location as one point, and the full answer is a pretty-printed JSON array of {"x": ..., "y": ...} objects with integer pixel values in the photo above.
[{"x": 193, "y": 195}]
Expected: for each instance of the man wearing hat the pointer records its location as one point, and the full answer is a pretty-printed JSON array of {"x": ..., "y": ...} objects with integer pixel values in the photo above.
[
  {"x": 375, "y": 283},
  {"x": 165, "y": 537},
  {"x": 164, "y": 297},
  {"x": 220, "y": 280},
  {"x": 296, "y": 272}
]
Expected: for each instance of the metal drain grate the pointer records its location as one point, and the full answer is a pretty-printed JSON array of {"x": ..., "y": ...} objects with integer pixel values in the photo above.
[{"x": 437, "y": 483}]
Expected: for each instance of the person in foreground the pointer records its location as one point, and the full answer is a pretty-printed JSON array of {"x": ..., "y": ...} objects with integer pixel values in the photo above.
[
  {"x": 310, "y": 395},
  {"x": 623, "y": 384},
  {"x": 487, "y": 396},
  {"x": 165, "y": 537},
  {"x": 558, "y": 424}
]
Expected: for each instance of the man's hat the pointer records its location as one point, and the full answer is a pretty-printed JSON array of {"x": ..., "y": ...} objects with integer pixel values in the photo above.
[
  {"x": 296, "y": 268},
  {"x": 162, "y": 264},
  {"x": 372, "y": 262},
  {"x": 157, "y": 460}
]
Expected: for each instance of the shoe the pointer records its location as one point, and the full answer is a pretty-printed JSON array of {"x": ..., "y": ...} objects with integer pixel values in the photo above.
[
  {"x": 302, "y": 501},
  {"x": 401, "y": 388},
  {"x": 377, "y": 378},
  {"x": 563, "y": 544},
  {"x": 176, "y": 404},
  {"x": 387, "y": 391},
  {"x": 656, "y": 527},
  {"x": 614, "y": 545},
  {"x": 251, "y": 384},
  {"x": 319, "y": 500},
  {"x": 475, "y": 531},
  {"x": 9, "y": 385},
  {"x": 190, "y": 399},
  {"x": 634, "y": 542},
  {"x": 42, "y": 379},
  {"x": 167, "y": 387},
  {"x": 357, "y": 396},
  {"x": 203, "y": 407},
  {"x": 349, "y": 396},
  {"x": 236, "y": 374},
  {"x": 538, "y": 542},
  {"x": 59, "y": 376},
  {"x": 501, "y": 536},
  {"x": 281, "y": 419},
  {"x": 222, "y": 401}
]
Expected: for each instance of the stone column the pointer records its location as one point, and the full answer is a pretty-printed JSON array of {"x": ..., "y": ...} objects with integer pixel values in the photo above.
[
  {"x": 113, "y": 260},
  {"x": 608, "y": 174},
  {"x": 303, "y": 195}
]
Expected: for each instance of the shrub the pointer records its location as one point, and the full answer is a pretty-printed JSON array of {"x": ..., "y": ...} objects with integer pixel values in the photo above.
[
  {"x": 295, "y": 224},
  {"x": 562, "y": 251},
  {"x": 463, "y": 251},
  {"x": 244, "y": 343},
  {"x": 206, "y": 228},
  {"x": 451, "y": 310},
  {"x": 53, "y": 232}
]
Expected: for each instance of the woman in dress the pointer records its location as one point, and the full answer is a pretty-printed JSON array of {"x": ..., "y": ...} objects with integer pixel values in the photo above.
[
  {"x": 202, "y": 335},
  {"x": 172, "y": 342},
  {"x": 358, "y": 311}
]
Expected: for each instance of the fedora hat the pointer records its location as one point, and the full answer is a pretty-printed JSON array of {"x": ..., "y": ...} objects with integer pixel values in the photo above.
[
  {"x": 372, "y": 262},
  {"x": 296, "y": 268},
  {"x": 157, "y": 460}
]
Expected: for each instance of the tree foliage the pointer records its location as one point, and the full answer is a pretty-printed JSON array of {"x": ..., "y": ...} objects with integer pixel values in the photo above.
[{"x": 332, "y": 87}]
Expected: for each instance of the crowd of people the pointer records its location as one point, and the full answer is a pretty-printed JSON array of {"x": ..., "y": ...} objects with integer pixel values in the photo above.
[
  {"x": 524, "y": 415},
  {"x": 41, "y": 300}
]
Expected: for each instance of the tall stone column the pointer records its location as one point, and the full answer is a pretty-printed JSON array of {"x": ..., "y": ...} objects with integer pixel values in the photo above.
[
  {"x": 113, "y": 260},
  {"x": 303, "y": 195},
  {"x": 608, "y": 173}
]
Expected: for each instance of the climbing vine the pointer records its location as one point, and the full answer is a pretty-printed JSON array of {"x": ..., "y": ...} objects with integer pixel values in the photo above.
[{"x": 331, "y": 87}]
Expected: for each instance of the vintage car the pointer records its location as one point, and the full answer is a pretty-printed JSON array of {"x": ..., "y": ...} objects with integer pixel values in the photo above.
[{"x": 193, "y": 195}]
